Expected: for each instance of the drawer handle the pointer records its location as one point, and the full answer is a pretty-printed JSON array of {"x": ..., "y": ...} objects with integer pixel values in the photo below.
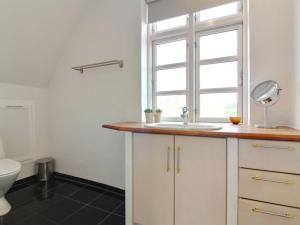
[
  {"x": 273, "y": 147},
  {"x": 14, "y": 106},
  {"x": 168, "y": 159},
  {"x": 273, "y": 181},
  {"x": 284, "y": 215},
  {"x": 178, "y": 159}
]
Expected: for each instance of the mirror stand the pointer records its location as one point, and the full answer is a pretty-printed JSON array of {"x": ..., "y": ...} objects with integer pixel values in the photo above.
[{"x": 265, "y": 124}]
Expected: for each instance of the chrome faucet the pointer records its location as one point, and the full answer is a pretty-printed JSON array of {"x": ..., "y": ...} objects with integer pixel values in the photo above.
[{"x": 185, "y": 115}]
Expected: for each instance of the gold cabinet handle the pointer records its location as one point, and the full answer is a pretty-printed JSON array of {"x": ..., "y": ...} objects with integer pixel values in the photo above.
[
  {"x": 168, "y": 159},
  {"x": 178, "y": 159},
  {"x": 273, "y": 147},
  {"x": 273, "y": 181},
  {"x": 284, "y": 215}
]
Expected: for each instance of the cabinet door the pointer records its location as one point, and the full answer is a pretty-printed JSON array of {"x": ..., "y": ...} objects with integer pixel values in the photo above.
[
  {"x": 200, "y": 181},
  {"x": 153, "y": 179}
]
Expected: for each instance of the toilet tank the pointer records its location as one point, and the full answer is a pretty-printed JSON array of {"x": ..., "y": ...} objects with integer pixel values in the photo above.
[{"x": 2, "y": 154}]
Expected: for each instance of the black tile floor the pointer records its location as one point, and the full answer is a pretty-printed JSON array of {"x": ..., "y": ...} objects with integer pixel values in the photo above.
[{"x": 63, "y": 202}]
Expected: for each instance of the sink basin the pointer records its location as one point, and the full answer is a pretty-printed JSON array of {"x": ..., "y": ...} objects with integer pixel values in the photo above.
[{"x": 181, "y": 126}]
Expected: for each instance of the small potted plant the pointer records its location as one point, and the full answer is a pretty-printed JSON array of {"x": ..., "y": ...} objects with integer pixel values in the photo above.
[
  {"x": 157, "y": 115},
  {"x": 149, "y": 115}
]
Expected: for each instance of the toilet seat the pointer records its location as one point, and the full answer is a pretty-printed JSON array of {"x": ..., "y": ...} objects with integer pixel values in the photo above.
[{"x": 8, "y": 166}]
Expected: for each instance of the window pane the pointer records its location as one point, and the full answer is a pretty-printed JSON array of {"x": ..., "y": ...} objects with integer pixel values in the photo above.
[
  {"x": 219, "y": 75},
  {"x": 171, "y": 23},
  {"x": 219, "y": 11},
  {"x": 220, "y": 105},
  {"x": 171, "y": 80},
  {"x": 219, "y": 45},
  {"x": 173, "y": 52},
  {"x": 171, "y": 105}
]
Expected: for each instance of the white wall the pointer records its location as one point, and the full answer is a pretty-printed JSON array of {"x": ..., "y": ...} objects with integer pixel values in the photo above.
[
  {"x": 32, "y": 35},
  {"x": 271, "y": 53},
  {"x": 296, "y": 66},
  {"x": 80, "y": 103},
  {"x": 40, "y": 98}
]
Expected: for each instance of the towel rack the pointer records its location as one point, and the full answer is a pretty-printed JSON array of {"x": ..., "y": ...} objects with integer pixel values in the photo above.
[{"x": 94, "y": 65}]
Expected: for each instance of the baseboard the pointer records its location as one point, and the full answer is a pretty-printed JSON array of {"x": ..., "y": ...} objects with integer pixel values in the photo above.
[
  {"x": 19, "y": 184},
  {"x": 25, "y": 180},
  {"x": 90, "y": 183},
  {"x": 60, "y": 176}
]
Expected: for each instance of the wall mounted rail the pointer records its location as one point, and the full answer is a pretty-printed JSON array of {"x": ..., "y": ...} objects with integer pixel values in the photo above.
[{"x": 95, "y": 65}]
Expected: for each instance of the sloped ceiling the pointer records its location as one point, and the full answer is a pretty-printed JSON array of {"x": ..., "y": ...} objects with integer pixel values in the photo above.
[{"x": 32, "y": 36}]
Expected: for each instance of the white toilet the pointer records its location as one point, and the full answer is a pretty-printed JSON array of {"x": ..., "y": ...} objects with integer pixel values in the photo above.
[{"x": 9, "y": 170}]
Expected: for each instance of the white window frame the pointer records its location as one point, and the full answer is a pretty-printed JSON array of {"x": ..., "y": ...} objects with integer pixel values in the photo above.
[
  {"x": 156, "y": 68},
  {"x": 238, "y": 59},
  {"x": 190, "y": 33},
  {"x": 175, "y": 30}
]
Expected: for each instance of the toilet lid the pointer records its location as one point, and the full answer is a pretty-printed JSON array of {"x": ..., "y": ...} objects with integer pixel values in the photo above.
[{"x": 8, "y": 166}]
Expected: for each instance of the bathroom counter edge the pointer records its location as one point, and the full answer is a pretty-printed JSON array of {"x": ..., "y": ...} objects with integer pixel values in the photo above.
[{"x": 228, "y": 131}]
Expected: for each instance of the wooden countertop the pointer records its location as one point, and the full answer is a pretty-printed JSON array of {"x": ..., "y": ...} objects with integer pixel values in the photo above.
[{"x": 228, "y": 130}]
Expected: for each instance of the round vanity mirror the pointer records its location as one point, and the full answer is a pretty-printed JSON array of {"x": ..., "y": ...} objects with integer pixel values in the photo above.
[{"x": 266, "y": 94}]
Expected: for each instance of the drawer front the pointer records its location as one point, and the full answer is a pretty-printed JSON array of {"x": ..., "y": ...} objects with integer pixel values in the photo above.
[
  {"x": 257, "y": 213},
  {"x": 271, "y": 187},
  {"x": 276, "y": 156}
]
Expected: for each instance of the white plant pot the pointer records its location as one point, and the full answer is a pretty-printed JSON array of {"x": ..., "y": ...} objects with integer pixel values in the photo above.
[
  {"x": 149, "y": 117},
  {"x": 157, "y": 117}
]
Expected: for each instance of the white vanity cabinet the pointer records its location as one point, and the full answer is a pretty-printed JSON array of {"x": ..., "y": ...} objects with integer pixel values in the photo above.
[
  {"x": 240, "y": 175},
  {"x": 269, "y": 182},
  {"x": 179, "y": 180},
  {"x": 200, "y": 182},
  {"x": 153, "y": 179}
]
